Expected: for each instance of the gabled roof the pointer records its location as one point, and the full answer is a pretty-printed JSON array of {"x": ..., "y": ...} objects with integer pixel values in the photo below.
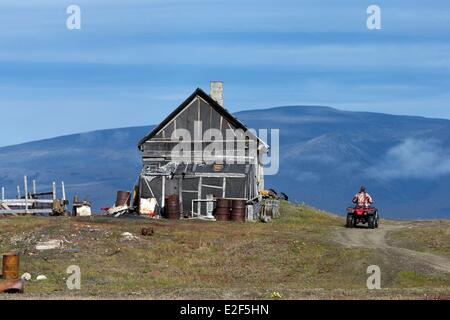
[{"x": 221, "y": 110}]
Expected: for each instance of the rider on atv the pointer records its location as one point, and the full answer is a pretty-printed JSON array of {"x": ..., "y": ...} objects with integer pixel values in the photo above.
[
  {"x": 362, "y": 198},
  {"x": 362, "y": 212}
]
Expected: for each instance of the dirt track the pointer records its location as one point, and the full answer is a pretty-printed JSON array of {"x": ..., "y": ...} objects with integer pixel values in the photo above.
[{"x": 376, "y": 239}]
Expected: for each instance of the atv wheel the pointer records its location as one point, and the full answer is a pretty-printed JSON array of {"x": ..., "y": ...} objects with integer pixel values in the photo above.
[
  {"x": 350, "y": 221},
  {"x": 371, "y": 222}
]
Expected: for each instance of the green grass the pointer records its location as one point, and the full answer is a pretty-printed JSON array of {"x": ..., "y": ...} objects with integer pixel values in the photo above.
[
  {"x": 433, "y": 237},
  {"x": 412, "y": 279}
]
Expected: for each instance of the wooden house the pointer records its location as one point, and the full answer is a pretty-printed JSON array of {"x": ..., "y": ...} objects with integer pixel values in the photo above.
[{"x": 197, "y": 173}]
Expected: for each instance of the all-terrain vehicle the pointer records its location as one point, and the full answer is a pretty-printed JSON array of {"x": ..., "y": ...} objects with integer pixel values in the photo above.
[{"x": 359, "y": 214}]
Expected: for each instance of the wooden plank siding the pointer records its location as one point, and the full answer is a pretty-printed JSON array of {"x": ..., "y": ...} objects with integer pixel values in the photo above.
[{"x": 196, "y": 180}]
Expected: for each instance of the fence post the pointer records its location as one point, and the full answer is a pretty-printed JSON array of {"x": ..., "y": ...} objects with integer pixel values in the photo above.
[
  {"x": 63, "y": 189},
  {"x": 25, "y": 186},
  {"x": 54, "y": 190}
]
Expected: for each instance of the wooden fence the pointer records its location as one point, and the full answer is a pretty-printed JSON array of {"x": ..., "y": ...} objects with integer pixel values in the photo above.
[{"x": 31, "y": 202}]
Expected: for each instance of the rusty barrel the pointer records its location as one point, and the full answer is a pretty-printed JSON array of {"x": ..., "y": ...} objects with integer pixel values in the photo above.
[
  {"x": 172, "y": 207},
  {"x": 123, "y": 198},
  {"x": 238, "y": 210},
  {"x": 10, "y": 270},
  {"x": 222, "y": 211}
]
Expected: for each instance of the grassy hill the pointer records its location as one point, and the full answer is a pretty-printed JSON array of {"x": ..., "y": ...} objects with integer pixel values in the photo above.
[{"x": 300, "y": 255}]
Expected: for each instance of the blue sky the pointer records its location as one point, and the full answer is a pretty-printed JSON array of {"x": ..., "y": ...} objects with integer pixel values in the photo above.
[{"x": 133, "y": 61}]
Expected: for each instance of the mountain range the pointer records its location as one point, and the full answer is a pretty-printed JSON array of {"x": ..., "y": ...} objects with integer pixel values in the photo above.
[{"x": 325, "y": 155}]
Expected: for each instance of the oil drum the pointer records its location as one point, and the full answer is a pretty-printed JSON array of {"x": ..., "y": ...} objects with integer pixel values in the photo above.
[
  {"x": 238, "y": 209},
  {"x": 222, "y": 211},
  {"x": 123, "y": 198},
  {"x": 172, "y": 207},
  {"x": 10, "y": 270}
]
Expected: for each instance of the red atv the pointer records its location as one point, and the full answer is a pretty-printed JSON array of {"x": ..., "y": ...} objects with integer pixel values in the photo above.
[{"x": 359, "y": 214}]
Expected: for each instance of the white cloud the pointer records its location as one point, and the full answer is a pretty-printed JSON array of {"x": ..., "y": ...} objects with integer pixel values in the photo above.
[{"x": 414, "y": 158}]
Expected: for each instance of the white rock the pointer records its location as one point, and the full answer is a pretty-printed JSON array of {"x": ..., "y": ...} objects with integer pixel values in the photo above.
[
  {"x": 128, "y": 236},
  {"x": 41, "y": 277},
  {"x": 49, "y": 245},
  {"x": 26, "y": 276}
]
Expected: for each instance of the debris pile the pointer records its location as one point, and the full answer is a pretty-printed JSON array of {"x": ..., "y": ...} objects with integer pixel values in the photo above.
[
  {"x": 81, "y": 208},
  {"x": 122, "y": 205}
]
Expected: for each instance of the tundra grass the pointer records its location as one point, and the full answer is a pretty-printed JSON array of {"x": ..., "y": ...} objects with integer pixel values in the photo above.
[{"x": 294, "y": 255}]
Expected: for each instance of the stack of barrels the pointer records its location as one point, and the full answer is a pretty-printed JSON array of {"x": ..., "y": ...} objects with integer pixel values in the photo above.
[
  {"x": 172, "y": 207},
  {"x": 227, "y": 209}
]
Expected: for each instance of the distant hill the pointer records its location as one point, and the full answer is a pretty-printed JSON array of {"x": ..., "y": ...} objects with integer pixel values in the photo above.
[{"x": 325, "y": 155}]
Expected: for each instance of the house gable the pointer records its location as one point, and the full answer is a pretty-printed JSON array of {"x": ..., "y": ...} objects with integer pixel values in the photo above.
[{"x": 199, "y": 106}]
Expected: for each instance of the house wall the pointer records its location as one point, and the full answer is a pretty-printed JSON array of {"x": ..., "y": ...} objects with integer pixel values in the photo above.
[{"x": 193, "y": 179}]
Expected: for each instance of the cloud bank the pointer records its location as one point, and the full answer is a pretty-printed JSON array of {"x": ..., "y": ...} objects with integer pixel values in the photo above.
[{"x": 414, "y": 158}]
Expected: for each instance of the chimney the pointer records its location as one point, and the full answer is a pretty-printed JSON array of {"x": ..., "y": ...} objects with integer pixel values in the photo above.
[{"x": 216, "y": 91}]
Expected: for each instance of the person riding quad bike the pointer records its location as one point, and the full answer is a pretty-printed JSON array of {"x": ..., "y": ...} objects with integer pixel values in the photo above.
[{"x": 362, "y": 212}]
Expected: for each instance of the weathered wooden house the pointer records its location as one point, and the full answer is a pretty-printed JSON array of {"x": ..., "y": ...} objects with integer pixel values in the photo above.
[{"x": 178, "y": 157}]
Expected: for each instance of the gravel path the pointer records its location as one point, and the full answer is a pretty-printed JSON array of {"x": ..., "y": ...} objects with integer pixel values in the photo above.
[{"x": 376, "y": 239}]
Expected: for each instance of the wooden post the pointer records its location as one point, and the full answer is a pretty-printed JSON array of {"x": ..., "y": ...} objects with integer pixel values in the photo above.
[
  {"x": 25, "y": 186},
  {"x": 180, "y": 193},
  {"x": 54, "y": 190},
  {"x": 63, "y": 190},
  {"x": 199, "y": 196},
  {"x": 34, "y": 186},
  {"x": 163, "y": 192},
  {"x": 224, "y": 187}
]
